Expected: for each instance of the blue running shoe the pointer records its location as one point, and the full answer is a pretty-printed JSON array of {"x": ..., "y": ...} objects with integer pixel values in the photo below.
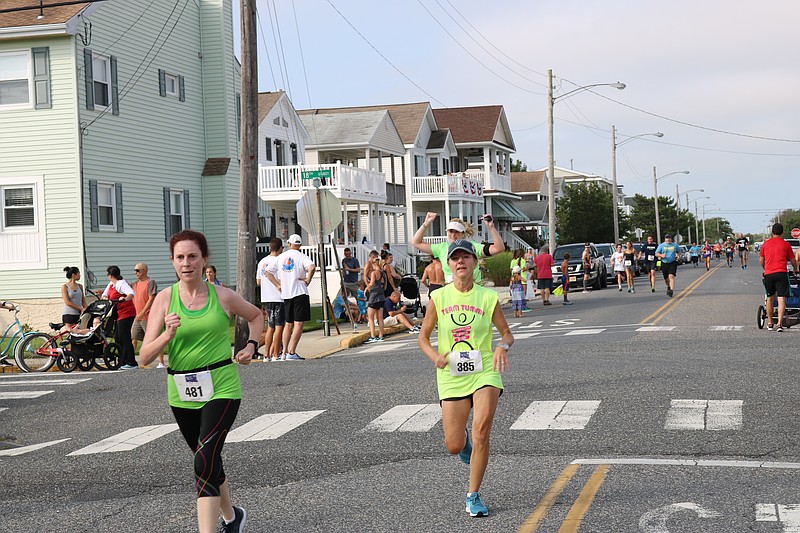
[
  {"x": 475, "y": 506},
  {"x": 466, "y": 453}
]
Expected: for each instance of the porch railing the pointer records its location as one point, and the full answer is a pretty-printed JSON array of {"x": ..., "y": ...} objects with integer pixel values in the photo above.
[
  {"x": 461, "y": 185},
  {"x": 346, "y": 182}
]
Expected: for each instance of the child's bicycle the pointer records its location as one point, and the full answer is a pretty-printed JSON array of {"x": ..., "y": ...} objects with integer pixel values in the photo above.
[{"x": 20, "y": 343}]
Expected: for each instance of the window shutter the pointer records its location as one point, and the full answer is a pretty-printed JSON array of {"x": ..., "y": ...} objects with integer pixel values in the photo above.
[
  {"x": 167, "y": 218},
  {"x": 41, "y": 77},
  {"x": 114, "y": 92},
  {"x": 88, "y": 73},
  {"x": 118, "y": 190},
  {"x": 162, "y": 83},
  {"x": 181, "y": 89},
  {"x": 93, "y": 210},
  {"x": 186, "y": 224}
]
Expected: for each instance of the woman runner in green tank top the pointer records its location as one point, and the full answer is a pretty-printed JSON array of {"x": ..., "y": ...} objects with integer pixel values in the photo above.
[
  {"x": 468, "y": 370},
  {"x": 191, "y": 320}
]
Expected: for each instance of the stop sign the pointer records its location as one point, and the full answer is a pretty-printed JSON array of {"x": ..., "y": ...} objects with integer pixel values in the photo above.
[{"x": 796, "y": 233}]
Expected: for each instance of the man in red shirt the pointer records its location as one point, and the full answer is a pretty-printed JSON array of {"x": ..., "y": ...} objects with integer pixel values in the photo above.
[
  {"x": 544, "y": 274},
  {"x": 774, "y": 255}
]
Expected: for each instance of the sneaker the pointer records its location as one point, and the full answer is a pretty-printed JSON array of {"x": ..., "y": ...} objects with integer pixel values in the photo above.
[
  {"x": 371, "y": 340},
  {"x": 128, "y": 367},
  {"x": 378, "y": 339},
  {"x": 475, "y": 506},
  {"x": 466, "y": 453},
  {"x": 547, "y": 303},
  {"x": 620, "y": 289},
  {"x": 669, "y": 293},
  {"x": 584, "y": 291},
  {"x": 779, "y": 329},
  {"x": 770, "y": 327},
  {"x": 5, "y": 362},
  {"x": 633, "y": 290},
  {"x": 652, "y": 289},
  {"x": 293, "y": 357},
  {"x": 413, "y": 331},
  {"x": 274, "y": 359},
  {"x": 160, "y": 365},
  {"x": 567, "y": 303},
  {"x": 237, "y": 526}
]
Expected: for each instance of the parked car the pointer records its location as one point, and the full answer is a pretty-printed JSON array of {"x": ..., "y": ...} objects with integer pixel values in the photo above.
[
  {"x": 598, "y": 277},
  {"x": 607, "y": 249},
  {"x": 685, "y": 256}
]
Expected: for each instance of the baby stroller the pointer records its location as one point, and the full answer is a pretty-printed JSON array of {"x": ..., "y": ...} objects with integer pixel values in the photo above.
[
  {"x": 409, "y": 288},
  {"x": 88, "y": 345},
  {"x": 791, "y": 316}
]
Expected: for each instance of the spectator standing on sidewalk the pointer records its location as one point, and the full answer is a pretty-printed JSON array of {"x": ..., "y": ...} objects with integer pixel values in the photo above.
[
  {"x": 387, "y": 260},
  {"x": 457, "y": 229},
  {"x": 774, "y": 255},
  {"x": 544, "y": 274},
  {"x": 350, "y": 270},
  {"x": 586, "y": 262},
  {"x": 145, "y": 290},
  {"x": 519, "y": 261},
  {"x": 211, "y": 276},
  {"x": 292, "y": 273},
  {"x": 393, "y": 315},
  {"x": 375, "y": 277},
  {"x": 565, "y": 278},
  {"x": 118, "y": 289},
  {"x": 74, "y": 297},
  {"x": 271, "y": 303},
  {"x": 517, "y": 291},
  {"x": 467, "y": 368},
  {"x": 433, "y": 276}
]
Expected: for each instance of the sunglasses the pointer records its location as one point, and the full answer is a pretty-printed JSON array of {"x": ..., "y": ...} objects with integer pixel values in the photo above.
[{"x": 136, "y": 270}]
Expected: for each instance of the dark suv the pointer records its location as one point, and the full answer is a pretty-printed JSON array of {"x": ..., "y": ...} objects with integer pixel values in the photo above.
[{"x": 597, "y": 278}]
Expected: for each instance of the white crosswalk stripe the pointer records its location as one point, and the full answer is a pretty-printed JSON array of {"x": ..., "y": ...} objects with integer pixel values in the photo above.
[
  {"x": 128, "y": 440},
  {"x": 271, "y": 426},
  {"x": 526, "y": 335},
  {"x": 11, "y": 452},
  {"x": 43, "y": 382},
  {"x": 573, "y": 414},
  {"x": 711, "y": 415},
  {"x": 584, "y": 332},
  {"x": 726, "y": 328},
  {"x": 24, "y": 395},
  {"x": 3, "y": 408},
  {"x": 656, "y": 328},
  {"x": 417, "y": 418}
]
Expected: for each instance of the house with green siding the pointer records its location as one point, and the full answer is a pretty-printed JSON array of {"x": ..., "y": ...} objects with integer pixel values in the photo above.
[{"x": 119, "y": 125}]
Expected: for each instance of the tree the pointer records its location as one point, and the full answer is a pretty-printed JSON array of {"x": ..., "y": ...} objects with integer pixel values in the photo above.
[
  {"x": 643, "y": 216},
  {"x": 584, "y": 214},
  {"x": 790, "y": 218},
  {"x": 717, "y": 228},
  {"x": 518, "y": 166}
]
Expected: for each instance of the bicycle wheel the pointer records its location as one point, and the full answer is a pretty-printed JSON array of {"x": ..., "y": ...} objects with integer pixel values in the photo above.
[
  {"x": 112, "y": 356},
  {"x": 36, "y": 352},
  {"x": 67, "y": 362}
]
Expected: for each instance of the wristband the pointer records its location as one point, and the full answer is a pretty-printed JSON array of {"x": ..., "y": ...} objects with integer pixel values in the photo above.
[{"x": 254, "y": 343}]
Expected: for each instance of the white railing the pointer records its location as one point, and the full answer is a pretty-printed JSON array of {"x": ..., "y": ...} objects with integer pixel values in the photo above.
[
  {"x": 346, "y": 182},
  {"x": 435, "y": 239},
  {"x": 492, "y": 180},
  {"x": 514, "y": 241},
  {"x": 452, "y": 186}
]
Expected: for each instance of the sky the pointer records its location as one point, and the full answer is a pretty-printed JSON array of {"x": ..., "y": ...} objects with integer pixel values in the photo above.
[{"x": 719, "y": 78}]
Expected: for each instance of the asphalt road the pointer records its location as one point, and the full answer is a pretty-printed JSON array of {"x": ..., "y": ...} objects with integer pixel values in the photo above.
[{"x": 621, "y": 413}]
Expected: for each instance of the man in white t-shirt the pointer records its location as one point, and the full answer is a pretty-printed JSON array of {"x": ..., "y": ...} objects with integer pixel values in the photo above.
[
  {"x": 271, "y": 302},
  {"x": 292, "y": 274}
]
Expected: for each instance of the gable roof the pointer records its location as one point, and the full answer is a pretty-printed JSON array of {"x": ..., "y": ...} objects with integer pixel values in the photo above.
[
  {"x": 266, "y": 101},
  {"x": 472, "y": 124},
  {"x": 353, "y": 130},
  {"x": 52, "y": 15},
  {"x": 407, "y": 118},
  {"x": 522, "y": 182},
  {"x": 438, "y": 139}
]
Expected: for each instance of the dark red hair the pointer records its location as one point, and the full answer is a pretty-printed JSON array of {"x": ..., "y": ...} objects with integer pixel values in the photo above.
[{"x": 189, "y": 235}]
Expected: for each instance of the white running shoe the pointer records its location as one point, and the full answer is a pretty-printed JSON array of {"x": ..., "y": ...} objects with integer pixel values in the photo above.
[{"x": 160, "y": 365}]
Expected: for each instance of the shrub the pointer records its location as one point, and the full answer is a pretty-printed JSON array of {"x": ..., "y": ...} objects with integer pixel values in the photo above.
[{"x": 499, "y": 272}]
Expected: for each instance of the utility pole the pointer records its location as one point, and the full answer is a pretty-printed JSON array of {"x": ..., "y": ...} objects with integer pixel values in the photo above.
[
  {"x": 248, "y": 170},
  {"x": 677, "y": 198},
  {"x": 614, "y": 180},
  {"x": 551, "y": 188},
  {"x": 696, "y": 223},
  {"x": 655, "y": 199}
]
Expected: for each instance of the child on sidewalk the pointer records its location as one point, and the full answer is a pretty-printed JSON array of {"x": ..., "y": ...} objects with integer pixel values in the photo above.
[
  {"x": 517, "y": 292},
  {"x": 565, "y": 277}
]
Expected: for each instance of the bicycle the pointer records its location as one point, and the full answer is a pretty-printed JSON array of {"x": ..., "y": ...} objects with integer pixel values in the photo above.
[{"x": 31, "y": 362}]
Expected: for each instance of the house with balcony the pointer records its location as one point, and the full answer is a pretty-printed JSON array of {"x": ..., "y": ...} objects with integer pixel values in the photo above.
[
  {"x": 484, "y": 145},
  {"x": 115, "y": 134},
  {"x": 574, "y": 177},
  {"x": 532, "y": 190}
]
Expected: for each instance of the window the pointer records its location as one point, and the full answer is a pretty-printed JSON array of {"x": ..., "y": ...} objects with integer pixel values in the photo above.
[
  {"x": 176, "y": 211},
  {"x": 171, "y": 84},
  {"x": 454, "y": 164},
  {"x": 293, "y": 146},
  {"x": 279, "y": 155},
  {"x": 434, "y": 166},
  {"x": 269, "y": 149},
  {"x": 15, "y": 86},
  {"x": 445, "y": 165},
  {"x": 18, "y": 207},
  {"x": 419, "y": 165},
  {"x": 101, "y": 81},
  {"x": 105, "y": 205}
]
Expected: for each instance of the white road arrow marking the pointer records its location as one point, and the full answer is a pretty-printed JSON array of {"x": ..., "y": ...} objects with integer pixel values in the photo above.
[
  {"x": 787, "y": 515},
  {"x": 25, "y": 449},
  {"x": 655, "y": 521}
]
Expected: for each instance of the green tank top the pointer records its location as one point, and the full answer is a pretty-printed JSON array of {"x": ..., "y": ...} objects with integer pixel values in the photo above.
[
  {"x": 202, "y": 340},
  {"x": 464, "y": 320}
]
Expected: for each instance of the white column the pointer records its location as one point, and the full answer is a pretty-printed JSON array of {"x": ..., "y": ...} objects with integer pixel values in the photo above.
[
  {"x": 366, "y": 155},
  {"x": 395, "y": 218},
  {"x": 461, "y": 209},
  {"x": 346, "y": 220},
  {"x": 447, "y": 214}
]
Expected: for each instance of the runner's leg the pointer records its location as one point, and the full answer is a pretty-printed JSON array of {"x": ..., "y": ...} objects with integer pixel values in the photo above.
[
  {"x": 454, "y": 420},
  {"x": 485, "y": 405}
]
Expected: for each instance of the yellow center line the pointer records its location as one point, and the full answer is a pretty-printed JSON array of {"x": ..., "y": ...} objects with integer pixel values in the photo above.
[
  {"x": 534, "y": 520},
  {"x": 651, "y": 319},
  {"x": 579, "y": 509}
]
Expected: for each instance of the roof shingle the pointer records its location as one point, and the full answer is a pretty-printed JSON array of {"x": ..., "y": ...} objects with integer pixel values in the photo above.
[
  {"x": 52, "y": 15},
  {"x": 407, "y": 118},
  {"x": 527, "y": 181},
  {"x": 470, "y": 124}
]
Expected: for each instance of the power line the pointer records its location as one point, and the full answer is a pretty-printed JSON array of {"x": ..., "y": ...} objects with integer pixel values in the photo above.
[
  {"x": 45, "y": 6},
  {"x": 283, "y": 55},
  {"x": 412, "y": 82},
  {"x": 266, "y": 49},
  {"x": 473, "y": 55}
]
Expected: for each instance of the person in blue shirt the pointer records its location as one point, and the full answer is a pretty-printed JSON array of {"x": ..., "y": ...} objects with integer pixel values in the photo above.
[
  {"x": 339, "y": 310},
  {"x": 361, "y": 300},
  {"x": 668, "y": 252},
  {"x": 694, "y": 251}
]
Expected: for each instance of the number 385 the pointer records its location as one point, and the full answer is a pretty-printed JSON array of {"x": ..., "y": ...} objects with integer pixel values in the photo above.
[{"x": 465, "y": 367}]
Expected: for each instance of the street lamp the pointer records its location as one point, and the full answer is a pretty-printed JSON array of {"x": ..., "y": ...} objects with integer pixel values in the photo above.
[
  {"x": 551, "y": 189},
  {"x": 614, "y": 145},
  {"x": 686, "y": 193},
  {"x": 703, "y": 207},
  {"x": 655, "y": 199}
]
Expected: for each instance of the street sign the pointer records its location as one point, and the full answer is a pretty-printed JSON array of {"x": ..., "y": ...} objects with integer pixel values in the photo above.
[
  {"x": 322, "y": 174},
  {"x": 678, "y": 238},
  {"x": 796, "y": 233},
  {"x": 308, "y": 211}
]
